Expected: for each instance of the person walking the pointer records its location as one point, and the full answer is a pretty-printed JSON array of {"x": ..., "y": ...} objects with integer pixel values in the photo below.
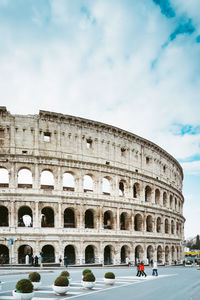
[
  {"x": 141, "y": 268},
  {"x": 66, "y": 261},
  {"x": 138, "y": 269},
  {"x": 155, "y": 269}
]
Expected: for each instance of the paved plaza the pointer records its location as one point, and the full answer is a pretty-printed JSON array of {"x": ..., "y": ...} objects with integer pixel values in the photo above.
[{"x": 172, "y": 283}]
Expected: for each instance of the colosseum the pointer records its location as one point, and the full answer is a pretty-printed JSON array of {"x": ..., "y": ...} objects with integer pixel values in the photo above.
[{"x": 91, "y": 192}]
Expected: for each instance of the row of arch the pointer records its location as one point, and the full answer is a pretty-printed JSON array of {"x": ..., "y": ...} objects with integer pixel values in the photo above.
[
  {"x": 161, "y": 254},
  {"x": 47, "y": 181},
  {"x": 25, "y": 219}
]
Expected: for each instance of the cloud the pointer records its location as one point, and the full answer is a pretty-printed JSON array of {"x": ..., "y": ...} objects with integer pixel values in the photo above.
[
  {"x": 165, "y": 8},
  {"x": 184, "y": 28},
  {"x": 191, "y": 168}
]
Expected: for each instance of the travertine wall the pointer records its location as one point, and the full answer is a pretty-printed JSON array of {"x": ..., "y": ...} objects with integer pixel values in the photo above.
[{"x": 144, "y": 204}]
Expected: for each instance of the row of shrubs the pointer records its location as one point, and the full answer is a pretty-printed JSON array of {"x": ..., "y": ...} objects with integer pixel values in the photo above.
[{"x": 26, "y": 286}]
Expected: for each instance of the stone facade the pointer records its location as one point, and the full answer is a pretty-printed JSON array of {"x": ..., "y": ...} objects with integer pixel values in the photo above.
[{"x": 109, "y": 195}]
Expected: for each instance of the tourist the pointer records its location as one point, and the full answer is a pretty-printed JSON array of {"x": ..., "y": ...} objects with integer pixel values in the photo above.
[
  {"x": 155, "y": 269},
  {"x": 141, "y": 268},
  {"x": 138, "y": 269}
]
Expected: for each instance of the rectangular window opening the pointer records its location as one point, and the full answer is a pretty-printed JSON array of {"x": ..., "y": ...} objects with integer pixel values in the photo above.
[
  {"x": 89, "y": 143},
  {"x": 47, "y": 137}
]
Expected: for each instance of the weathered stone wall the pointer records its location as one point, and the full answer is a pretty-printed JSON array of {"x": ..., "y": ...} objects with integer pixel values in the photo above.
[{"x": 145, "y": 186}]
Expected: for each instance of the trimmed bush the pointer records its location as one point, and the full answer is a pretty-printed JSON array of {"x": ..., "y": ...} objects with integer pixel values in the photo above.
[
  {"x": 86, "y": 271},
  {"x": 61, "y": 281},
  {"x": 24, "y": 286},
  {"x": 65, "y": 273},
  {"x": 109, "y": 275},
  {"x": 34, "y": 277},
  {"x": 89, "y": 277}
]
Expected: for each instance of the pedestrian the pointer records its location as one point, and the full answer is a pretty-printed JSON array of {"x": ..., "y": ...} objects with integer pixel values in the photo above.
[
  {"x": 32, "y": 260},
  {"x": 141, "y": 268},
  {"x": 155, "y": 269},
  {"x": 60, "y": 260},
  {"x": 127, "y": 261},
  {"x": 65, "y": 261},
  {"x": 36, "y": 261},
  {"x": 138, "y": 269}
]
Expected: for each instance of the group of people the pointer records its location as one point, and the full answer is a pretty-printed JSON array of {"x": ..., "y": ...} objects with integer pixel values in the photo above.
[{"x": 140, "y": 269}]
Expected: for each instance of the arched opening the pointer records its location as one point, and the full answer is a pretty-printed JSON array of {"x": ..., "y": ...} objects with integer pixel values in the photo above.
[
  {"x": 138, "y": 254},
  {"x": 88, "y": 183},
  {"x": 159, "y": 254},
  {"x": 175, "y": 204},
  {"x": 48, "y": 254},
  {"x": 150, "y": 252},
  {"x": 25, "y": 218},
  {"x": 167, "y": 254},
  {"x": 158, "y": 224},
  {"x": 138, "y": 222},
  {"x": 147, "y": 194},
  {"x": 173, "y": 254},
  {"x": 70, "y": 254},
  {"x": 123, "y": 255},
  {"x": 171, "y": 201},
  {"x": 4, "y": 216},
  {"x": 121, "y": 188},
  {"x": 89, "y": 255},
  {"x": 124, "y": 221},
  {"x": 165, "y": 199},
  {"x": 47, "y": 180},
  {"x": 4, "y": 178},
  {"x": 89, "y": 219},
  {"x": 149, "y": 224},
  {"x": 107, "y": 256},
  {"x": 25, "y": 178},
  {"x": 68, "y": 182},
  {"x": 4, "y": 255},
  {"x": 22, "y": 252},
  {"x": 157, "y": 196},
  {"x": 177, "y": 228},
  {"x": 105, "y": 186},
  {"x": 108, "y": 220},
  {"x": 166, "y": 226},
  {"x": 47, "y": 217},
  {"x": 69, "y": 218},
  {"x": 136, "y": 190},
  {"x": 172, "y": 227}
]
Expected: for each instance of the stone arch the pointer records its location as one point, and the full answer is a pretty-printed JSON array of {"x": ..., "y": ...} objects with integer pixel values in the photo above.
[
  {"x": 136, "y": 190},
  {"x": 108, "y": 219},
  {"x": 25, "y": 179},
  {"x": 165, "y": 199},
  {"x": 171, "y": 201},
  {"x": 148, "y": 192},
  {"x": 108, "y": 253},
  {"x": 69, "y": 218},
  {"x": 89, "y": 219},
  {"x": 47, "y": 180},
  {"x": 124, "y": 221},
  {"x": 106, "y": 186},
  {"x": 121, "y": 188},
  {"x": 167, "y": 254},
  {"x": 138, "y": 253},
  {"x": 166, "y": 226},
  {"x": 25, "y": 217},
  {"x": 124, "y": 253},
  {"x": 149, "y": 223},
  {"x": 4, "y": 216},
  {"x": 4, "y": 254},
  {"x": 173, "y": 253},
  {"x": 47, "y": 217},
  {"x": 138, "y": 222},
  {"x": 68, "y": 182},
  {"x": 4, "y": 177},
  {"x": 175, "y": 203},
  {"x": 159, "y": 254},
  {"x": 172, "y": 227},
  {"x": 24, "y": 250},
  {"x": 88, "y": 184},
  {"x": 90, "y": 254},
  {"x": 150, "y": 253},
  {"x": 69, "y": 252},
  {"x": 158, "y": 224},
  {"x": 48, "y": 254},
  {"x": 157, "y": 196}
]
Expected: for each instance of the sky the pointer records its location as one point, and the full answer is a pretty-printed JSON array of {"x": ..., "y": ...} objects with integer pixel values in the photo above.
[{"x": 129, "y": 63}]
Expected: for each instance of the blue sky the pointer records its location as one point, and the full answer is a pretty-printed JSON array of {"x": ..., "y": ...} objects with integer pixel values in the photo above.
[{"x": 133, "y": 64}]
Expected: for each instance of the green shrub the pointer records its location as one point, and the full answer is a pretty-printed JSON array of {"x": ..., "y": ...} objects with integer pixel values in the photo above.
[
  {"x": 24, "y": 286},
  {"x": 109, "y": 275},
  {"x": 65, "y": 273},
  {"x": 86, "y": 271},
  {"x": 89, "y": 277},
  {"x": 34, "y": 277},
  {"x": 61, "y": 281}
]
